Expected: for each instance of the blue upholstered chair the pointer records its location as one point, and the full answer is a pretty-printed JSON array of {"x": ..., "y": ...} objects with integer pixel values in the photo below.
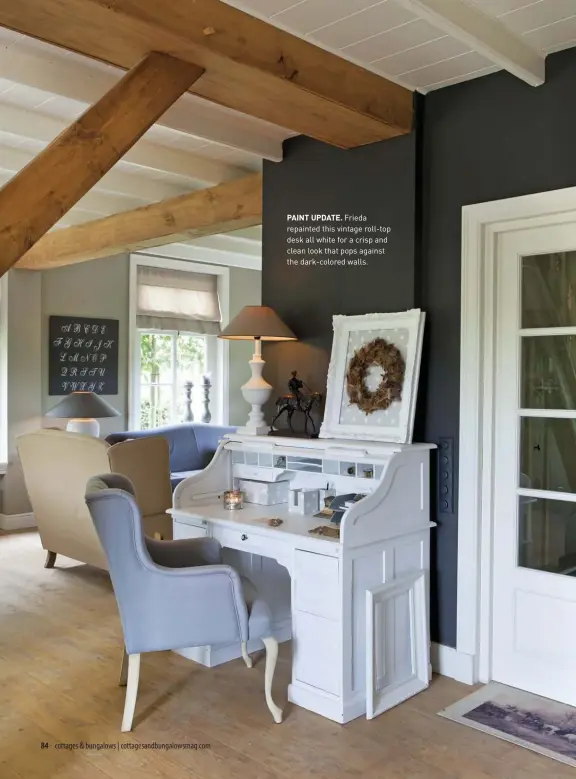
[{"x": 172, "y": 594}]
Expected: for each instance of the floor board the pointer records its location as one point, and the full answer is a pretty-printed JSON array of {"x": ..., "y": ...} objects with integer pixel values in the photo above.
[{"x": 60, "y": 649}]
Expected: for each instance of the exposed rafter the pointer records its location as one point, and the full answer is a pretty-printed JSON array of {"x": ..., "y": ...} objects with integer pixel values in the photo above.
[
  {"x": 37, "y": 197},
  {"x": 230, "y": 206},
  {"x": 190, "y": 167},
  {"x": 48, "y": 69},
  {"x": 250, "y": 65},
  {"x": 484, "y": 34}
]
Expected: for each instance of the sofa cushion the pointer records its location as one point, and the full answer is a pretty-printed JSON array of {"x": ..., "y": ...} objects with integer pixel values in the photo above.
[
  {"x": 192, "y": 444},
  {"x": 178, "y": 476},
  {"x": 207, "y": 439}
]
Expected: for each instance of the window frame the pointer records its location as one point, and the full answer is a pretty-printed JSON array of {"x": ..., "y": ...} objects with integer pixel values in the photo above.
[{"x": 217, "y": 358}]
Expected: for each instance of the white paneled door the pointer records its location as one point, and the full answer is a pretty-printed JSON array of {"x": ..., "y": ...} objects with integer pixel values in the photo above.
[{"x": 534, "y": 541}]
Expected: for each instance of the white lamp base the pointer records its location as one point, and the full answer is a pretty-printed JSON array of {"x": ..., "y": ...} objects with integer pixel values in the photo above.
[
  {"x": 256, "y": 392},
  {"x": 84, "y": 426}
]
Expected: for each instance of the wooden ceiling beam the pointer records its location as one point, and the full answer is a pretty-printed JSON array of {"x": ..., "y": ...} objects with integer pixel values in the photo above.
[
  {"x": 230, "y": 206},
  {"x": 251, "y": 66},
  {"x": 37, "y": 197}
]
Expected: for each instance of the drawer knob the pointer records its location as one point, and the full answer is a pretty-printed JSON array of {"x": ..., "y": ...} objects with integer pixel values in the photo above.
[{"x": 244, "y": 537}]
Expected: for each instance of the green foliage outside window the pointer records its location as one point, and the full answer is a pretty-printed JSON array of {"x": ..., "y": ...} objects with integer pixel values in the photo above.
[{"x": 162, "y": 382}]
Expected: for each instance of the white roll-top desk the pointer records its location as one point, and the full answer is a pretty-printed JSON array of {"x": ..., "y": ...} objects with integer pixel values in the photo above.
[{"x": 355, "y": 606}]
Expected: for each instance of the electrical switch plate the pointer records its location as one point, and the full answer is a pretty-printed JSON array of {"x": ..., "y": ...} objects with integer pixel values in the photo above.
[{"x": 446, "y": 476}]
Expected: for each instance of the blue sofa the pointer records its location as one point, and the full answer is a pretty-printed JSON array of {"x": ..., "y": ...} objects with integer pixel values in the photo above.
[{"x": 192, "y": 445}]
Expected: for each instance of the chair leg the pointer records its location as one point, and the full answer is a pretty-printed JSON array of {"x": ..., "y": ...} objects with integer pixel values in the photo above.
[
  {"x": 131, "y": 692},
  {"x": 271, "y": 645},
  {"x": 50, "y": 560},
  {"x": 245, "y": 655},
  {"x": 122, "y": 681}
]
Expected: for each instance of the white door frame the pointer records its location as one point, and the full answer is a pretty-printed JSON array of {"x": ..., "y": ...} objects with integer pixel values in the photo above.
[{"x": 482, "y": 224}]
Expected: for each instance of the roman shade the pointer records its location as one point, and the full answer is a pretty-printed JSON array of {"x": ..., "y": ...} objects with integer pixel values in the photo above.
[{"x": 177, "y": 300}]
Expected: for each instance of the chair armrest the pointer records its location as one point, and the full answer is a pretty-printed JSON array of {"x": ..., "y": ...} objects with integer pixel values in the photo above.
[
  {"x": 173, "y": 608},
  {"x": 185, "y": 552}
]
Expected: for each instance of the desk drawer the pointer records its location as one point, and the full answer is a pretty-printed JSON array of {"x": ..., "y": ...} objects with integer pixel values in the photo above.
[
  {"x": 316, "y": 584},
  {"x": 184, "y": 530},
  {"x": 241, "y": 539}
]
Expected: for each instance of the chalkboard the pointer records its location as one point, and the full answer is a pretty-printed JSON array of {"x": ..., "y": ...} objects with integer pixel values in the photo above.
[{"x": 83, "y": 355}]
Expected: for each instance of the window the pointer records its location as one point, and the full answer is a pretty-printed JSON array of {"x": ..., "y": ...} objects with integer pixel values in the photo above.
[
  {"x": 168, "y": 360},
  {"x": 177, "y": 308}
]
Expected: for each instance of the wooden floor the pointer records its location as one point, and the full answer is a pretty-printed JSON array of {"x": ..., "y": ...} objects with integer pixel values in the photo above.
[{"x": 60, "y": 646}]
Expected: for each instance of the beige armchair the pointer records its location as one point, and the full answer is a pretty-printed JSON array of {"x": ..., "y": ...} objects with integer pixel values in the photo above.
[{"x": 57, "y": 466}]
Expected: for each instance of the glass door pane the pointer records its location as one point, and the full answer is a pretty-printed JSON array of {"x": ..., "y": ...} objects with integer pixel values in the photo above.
[
  {"x": 547, "y": 535},
  {"x": 548, "y": 454},
  {"x": 548, "y": 290},
  {"x": 547, "y": 442},
  {"x": 548, "y": 376}
]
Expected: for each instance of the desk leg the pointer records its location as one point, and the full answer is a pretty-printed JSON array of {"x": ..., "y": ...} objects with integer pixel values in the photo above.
[{"x": 271, "y": 656}]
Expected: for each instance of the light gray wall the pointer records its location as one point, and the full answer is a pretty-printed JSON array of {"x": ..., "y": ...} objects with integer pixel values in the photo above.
[
  {"x": 24, "y": 403},
  {"x": 245, "y": 290},
  {"x": 99, "y": 288}
]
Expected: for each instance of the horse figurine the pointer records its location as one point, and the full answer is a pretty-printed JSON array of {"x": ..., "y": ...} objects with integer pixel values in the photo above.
[{"x": 298, "y": 401}]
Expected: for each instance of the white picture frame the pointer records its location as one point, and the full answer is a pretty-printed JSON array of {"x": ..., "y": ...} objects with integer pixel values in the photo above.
[{"x": 405, "y": 330}]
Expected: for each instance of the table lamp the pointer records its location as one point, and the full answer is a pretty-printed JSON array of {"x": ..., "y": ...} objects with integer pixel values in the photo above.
[
  {"x": 259, "y": 323},
  {"x": 83, "y": 410}
]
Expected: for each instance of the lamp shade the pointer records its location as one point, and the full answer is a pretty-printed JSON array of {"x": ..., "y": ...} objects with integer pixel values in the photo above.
[
  {"x": 257, "y": 322},
  {"x": 82, "y": 405}
]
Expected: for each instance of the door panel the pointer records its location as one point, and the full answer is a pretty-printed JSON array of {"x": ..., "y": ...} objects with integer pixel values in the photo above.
[{"x": 534, "y": 520}]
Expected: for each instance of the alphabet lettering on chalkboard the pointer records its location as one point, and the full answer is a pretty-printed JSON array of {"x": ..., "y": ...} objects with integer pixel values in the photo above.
[{"x": 83, "y": 355}]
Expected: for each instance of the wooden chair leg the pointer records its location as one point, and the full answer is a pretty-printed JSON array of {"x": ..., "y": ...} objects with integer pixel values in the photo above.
[
  {"x": 123, "y": 680},
  {"x": 131, "y": 692},
  {"x": 245, "y": 655},
  {"x": 271, "y": 645},
  {"x": 50, "y": 559}
]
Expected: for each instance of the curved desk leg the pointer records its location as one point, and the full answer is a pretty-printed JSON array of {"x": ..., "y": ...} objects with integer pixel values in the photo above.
[{"x": 271, "y": 657}]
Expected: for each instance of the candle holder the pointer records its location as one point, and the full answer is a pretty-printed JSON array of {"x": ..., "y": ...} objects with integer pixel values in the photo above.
[{"x": 233, "y": 499}]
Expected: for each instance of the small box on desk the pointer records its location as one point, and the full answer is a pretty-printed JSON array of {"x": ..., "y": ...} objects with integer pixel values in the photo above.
[
  {"x": 304, "y": 501},
  {"x": 264, "y": 493}
]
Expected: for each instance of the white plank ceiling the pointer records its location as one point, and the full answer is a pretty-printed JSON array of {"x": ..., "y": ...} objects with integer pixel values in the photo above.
[
  {"x": 197, "y": 144},
  {"x": 390, "y": 38}
]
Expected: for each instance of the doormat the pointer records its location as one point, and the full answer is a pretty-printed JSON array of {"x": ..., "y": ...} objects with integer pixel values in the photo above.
[{"x": 544, "y": 726}]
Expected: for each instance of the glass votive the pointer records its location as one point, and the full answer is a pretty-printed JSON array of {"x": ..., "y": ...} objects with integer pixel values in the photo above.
[{"x": 233, "y": 499}]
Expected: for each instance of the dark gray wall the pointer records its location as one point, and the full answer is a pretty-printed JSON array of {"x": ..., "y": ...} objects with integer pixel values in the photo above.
[
  {"x": 487, "y": 139},
  {"x": 377, "y": 181}
]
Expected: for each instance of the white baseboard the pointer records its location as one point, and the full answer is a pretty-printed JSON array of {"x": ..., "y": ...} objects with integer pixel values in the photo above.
[
  {"x": 447, "y": 661},
  {"x": 17, "y": 521},
  {"x": 318, "y": 701}
]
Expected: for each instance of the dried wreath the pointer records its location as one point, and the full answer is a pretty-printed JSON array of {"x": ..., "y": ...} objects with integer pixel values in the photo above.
[{"x": 386, "y": 356}]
